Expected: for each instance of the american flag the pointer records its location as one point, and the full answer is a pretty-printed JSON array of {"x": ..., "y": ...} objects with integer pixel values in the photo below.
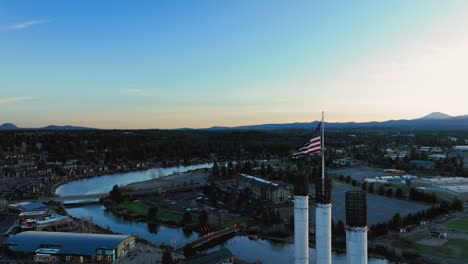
[{"x": 311, "y": 147}]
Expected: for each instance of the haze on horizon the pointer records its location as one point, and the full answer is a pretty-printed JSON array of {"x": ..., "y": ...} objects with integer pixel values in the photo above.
[{"x": 172, "y": 64}]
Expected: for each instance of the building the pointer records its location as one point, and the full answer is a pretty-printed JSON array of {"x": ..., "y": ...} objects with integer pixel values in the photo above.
[
  {"x": 444, "y": 186},
  {"x": 431, "y": 149},
  {"x": 26, "y": 207},
  {"x": 262, "y": 188},
  {"x": 344, "y": 162},
  {"x": 395, "y": 155},
  {"x": 460, "y": 148},
  {"x": 423, "y": 163},
  {"x": 436, "y": 156},
  {"x": 49, "y": 247}
]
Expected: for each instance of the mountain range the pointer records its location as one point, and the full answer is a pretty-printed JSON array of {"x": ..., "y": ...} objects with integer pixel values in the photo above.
[
  {"x": 10, "y": 126},
  {"x": 435, "y": 120}
]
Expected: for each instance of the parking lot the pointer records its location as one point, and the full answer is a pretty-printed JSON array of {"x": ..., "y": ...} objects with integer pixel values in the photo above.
[{"x": 359, "y": 173}]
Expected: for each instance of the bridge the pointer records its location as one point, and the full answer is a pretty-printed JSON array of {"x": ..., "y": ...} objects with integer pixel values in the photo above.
[
  {"x": 94, "y": 196},
  {"x": 74, "y": 197},
  {"x": 198, "y": 242}
]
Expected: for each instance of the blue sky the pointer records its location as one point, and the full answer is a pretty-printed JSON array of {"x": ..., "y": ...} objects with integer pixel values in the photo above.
[{"x": 170, "y": 64}]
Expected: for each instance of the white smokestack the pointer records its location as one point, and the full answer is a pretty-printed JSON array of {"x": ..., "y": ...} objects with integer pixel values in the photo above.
[
  {"x": 301, "y": 229},
  {"x": 356, "y": 227},
  {"x": 356, "y": 245},
  {"x": 323, "y": 233}
]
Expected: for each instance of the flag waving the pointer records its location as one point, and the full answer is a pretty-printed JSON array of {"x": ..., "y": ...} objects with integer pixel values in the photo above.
[{"x": 313, "y": 146}]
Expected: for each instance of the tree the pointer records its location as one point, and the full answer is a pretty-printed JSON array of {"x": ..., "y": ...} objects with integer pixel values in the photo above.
[
  {"x": 364, "y": 186},
  {"x": 116, "y": 194},
  {"x": 389, "y": 192},
  {"x": 372, "y": 187},
  {"x": 166, "y": 258},
  {"x": 203, "y": 218},
  {"x": 215, "y": 170},
  {"x": 291, "y": 222},
  {"x": 396, "y": 221},
  {"x": 457, "y": 204},
  {"x": 188, "y": 251},
  {"x": 152, "y": 213},
  {"x": 399, "y": 193},
  {"x": 340, "y": 229},
  {"x": 381, "y": 190},
  {"x": 187, "y": 217}
]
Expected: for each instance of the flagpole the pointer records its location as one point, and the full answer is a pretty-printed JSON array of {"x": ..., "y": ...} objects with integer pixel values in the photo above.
[{"x": 323, "y": 154}]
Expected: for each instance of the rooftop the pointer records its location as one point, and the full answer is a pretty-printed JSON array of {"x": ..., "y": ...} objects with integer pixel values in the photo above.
[
  {"x": 260, "y": 180},
  {"x": 67, "y": 243},
  {"x": 28, "y": 206}
]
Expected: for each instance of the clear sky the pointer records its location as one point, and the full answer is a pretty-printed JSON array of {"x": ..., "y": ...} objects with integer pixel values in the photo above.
[{"x": 176, "y": 63}]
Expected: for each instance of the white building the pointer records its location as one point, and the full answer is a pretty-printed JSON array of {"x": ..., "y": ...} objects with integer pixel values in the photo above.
[
  {"x": 344, "y": 162},
  {"x": 451, "y": 186},
  {"x": 436, "y": 156}
]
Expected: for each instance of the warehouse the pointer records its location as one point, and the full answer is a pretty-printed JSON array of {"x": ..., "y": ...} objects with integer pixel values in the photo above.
[
  {"x": 69, "y": 247},
  {"x": 445, "y": 186}
]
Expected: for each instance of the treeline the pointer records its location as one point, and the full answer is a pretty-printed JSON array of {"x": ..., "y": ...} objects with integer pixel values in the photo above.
[
  {"x": 397, "y": 221},
  {"x": 140, "y": 145}
]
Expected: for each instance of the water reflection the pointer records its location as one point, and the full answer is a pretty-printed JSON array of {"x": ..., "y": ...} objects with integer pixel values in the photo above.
[{"x": 250, "y": 250}]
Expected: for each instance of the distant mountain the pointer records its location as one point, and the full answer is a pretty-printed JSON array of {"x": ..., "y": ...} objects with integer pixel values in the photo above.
[
  {"x": 8, "y": 126},
  {"x": 436, "y": 115},
  {"x": 437, "y": 121},
  {"x": 53, "y": 127}
]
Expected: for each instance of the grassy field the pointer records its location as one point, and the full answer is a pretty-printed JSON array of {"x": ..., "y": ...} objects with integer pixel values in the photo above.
[
  {"x": 134, "y": 207},
  {"x": 461, "y": 224},
  {"x": 173, "y": 216},
  {"x": 454, "y": 248},
  {"x": 143, "y": 210}
]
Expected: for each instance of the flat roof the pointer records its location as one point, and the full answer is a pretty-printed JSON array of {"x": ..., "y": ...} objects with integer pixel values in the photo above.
[
  {"x": 67, "y": 243},
  {"x": 454, "y": 184},
  {"x": 447, "y": 180},
  {"x": 28, "y": 206},
  {"x": 259, "y": 179}
]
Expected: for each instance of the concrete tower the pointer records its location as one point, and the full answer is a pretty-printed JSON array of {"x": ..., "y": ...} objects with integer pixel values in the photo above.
[
  {"x": 323, "y": 221},
  {"x": 301, "y": 220},
  {"x": 356, "y": 227}
]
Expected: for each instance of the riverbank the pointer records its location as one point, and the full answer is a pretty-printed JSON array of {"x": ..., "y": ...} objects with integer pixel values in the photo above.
[
  {"x": 199, "y": 176},
  {"x": 68, "y": 179}
]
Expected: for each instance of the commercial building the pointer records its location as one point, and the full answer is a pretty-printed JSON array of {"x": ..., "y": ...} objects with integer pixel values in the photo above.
[
  {"x": 54, "y": 247},
  {"x": 344, "y": 162},
  {"x": 460, "y": 148},
  {"x": 436, "y": 156},
  {"x": 262, "y": 188},
  {"x": 444, "y": 186},
  {"x": 423, "y": 163},
  {"x": 26, "y": 207}
]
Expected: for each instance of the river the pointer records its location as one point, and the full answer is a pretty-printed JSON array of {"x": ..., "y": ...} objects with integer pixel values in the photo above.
[{"x": 241, "y": 246}]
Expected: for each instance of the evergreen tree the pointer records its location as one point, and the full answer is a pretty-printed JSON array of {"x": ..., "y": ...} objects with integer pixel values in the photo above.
[
  {"x": 166, "y": 258},
  {"x": 116, "y": 194}
]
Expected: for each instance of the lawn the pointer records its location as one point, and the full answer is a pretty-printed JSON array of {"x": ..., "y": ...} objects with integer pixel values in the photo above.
[
  {"x": 454, "y": 248},
  {"x": 173, "y": 215},
  {"x": 135, "y": 207},
  {"x": 461, "y": 224},
  {"x": 143, "y": 210},
  {"x": 52, "y": 207}
]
